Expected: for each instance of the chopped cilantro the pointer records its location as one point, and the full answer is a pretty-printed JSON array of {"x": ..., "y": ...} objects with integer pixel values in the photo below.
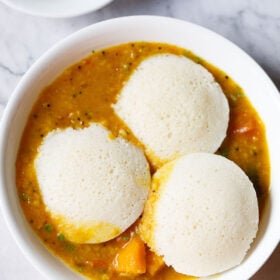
[
  {"x": 61, "y": 237},
  {"x": 125, "y": 237},
  {"x": 48, "y": 227},
  {"x": 70, "y": 247},
  {"x": 224, "y": 152}
]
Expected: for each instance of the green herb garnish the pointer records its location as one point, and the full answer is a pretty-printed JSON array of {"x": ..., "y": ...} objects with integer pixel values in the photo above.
[
  {"x": 70, "y": 247},
  {"x": 224, "y": 153},
  {"x": 48, "y": 227},
  {"x": 61, "y": 237},
  {"x": 125, "y": 238}
]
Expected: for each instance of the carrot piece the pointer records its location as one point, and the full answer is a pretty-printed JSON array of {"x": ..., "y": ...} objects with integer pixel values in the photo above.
[
  {"x": 243, "y": 123},
  {"x": 131, "y": 259},
  {"x": 154, "y": 263},
  {"x": 248, "y": 126}
]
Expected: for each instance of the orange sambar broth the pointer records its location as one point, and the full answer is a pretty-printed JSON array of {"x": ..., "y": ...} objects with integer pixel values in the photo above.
[{"x": 83, "y": 94}]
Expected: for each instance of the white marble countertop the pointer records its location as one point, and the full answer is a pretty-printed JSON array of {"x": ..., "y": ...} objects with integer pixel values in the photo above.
[{"x": 254, "y": 25}]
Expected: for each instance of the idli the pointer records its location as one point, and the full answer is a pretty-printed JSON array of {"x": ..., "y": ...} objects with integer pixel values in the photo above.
[
  {"x": 93, "y": 185},
  {"x": 201, "y": 214},
  {"x": 174, "y": 107}
]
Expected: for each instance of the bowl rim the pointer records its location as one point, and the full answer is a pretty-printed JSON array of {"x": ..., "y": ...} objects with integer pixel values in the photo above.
[
  {"x": 28, "y": 77},
  {"x": 57, "y": 14}
]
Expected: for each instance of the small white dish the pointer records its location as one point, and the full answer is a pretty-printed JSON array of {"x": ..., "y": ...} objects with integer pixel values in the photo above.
[
  {"x": 217, "y": 50},
  {"x": 56, "y": 8}
]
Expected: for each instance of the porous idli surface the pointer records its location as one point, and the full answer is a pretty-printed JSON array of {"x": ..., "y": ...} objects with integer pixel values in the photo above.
[
  {"x": 174, "y": 107},
  {"x": 201, "y": 214},
  {"x": 93, "y": 185}
]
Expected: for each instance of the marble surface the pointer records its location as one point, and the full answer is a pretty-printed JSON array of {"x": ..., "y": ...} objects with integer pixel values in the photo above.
[{"x": 254, "y": 25}]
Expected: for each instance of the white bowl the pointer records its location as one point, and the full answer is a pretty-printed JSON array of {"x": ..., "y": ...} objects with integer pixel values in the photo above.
[
  {"x": 210, "y": 46},
  {"x": 56, "y": 8}
]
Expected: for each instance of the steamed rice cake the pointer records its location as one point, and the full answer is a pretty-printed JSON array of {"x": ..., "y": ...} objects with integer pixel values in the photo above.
[
  {"x": 174, "y": 107},
  {"x": 201, "y": 214},
  {"x": 94, "y": 186}
]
